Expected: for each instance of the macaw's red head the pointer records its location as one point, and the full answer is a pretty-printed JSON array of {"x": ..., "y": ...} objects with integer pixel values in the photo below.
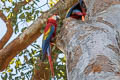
[{"x": 55, "y": 17}]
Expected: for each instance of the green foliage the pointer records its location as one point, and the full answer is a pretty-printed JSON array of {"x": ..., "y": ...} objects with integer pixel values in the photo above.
[
  {"x": 21, "y": 14},
  {"x": 21, "y": 67},
  {"x": 52, "y": 2},
  {"x": 60, "y": 68}
]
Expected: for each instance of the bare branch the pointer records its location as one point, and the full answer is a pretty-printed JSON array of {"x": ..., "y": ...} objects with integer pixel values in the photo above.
[{"x": 9, "y": 32}]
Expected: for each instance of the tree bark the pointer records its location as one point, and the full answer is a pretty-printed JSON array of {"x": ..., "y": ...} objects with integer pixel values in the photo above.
[{"x": 92, "y": 47}]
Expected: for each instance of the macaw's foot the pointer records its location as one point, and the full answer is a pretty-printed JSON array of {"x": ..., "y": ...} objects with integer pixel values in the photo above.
[{"x": 52, "y": 44}]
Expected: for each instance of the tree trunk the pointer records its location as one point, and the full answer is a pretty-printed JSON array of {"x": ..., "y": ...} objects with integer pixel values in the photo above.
[{"x": 92, "y": 47}]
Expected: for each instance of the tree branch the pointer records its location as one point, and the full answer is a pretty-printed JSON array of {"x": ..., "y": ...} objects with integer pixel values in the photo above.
[
  {"x": 9, "y": 32},
  {"x": 31, "y": 33}
]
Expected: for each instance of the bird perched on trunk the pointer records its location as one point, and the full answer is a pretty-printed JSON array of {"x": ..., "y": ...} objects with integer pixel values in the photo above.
[
  {"x": 49, "y": 33},
  {"x": 77, "y": 11}
]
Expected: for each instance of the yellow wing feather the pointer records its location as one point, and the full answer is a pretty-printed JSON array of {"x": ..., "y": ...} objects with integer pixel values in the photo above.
[{"x": 46, "y": 34}]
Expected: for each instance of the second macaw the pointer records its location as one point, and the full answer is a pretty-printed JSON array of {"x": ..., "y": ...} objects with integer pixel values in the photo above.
[
  {"x": 78, "y": 10},
  {"x": 49, "y": 33}
]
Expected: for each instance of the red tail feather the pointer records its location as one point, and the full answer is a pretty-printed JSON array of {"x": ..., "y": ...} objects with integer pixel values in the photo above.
[{"x": 51, "y": 65}]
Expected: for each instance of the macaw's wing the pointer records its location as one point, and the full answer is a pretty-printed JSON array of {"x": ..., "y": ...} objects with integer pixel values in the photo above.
[
  {"x": 69, "y": 12},
  {"x": 46, "y": 38}
]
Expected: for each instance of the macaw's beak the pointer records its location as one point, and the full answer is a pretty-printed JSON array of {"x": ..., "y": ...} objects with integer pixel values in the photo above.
[
  {"x": 83, "y": 18},
  {"x": 84, "y": 14},
  {"x": 58, "y": 17}
]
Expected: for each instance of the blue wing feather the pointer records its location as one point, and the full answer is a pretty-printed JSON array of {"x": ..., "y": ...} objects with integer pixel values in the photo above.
[
  {"x": 76, "y": 11},
  {"x": 46, "y": 42},
  {"x": 70, "y": 10}
]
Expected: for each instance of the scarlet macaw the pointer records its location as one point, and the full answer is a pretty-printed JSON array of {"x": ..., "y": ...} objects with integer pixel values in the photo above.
[
  {"x": 80, "y": 8},
  {"x": 49, "y": 33}
]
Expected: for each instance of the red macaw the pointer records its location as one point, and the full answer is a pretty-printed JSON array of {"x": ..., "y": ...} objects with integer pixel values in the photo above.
[
  {"x": 77, "y": 11},
  {"x": 49, "y": 33}
]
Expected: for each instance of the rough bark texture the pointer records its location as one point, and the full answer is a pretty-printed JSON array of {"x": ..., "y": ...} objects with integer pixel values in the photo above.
[
  {"x": 92, "y": 47},
  {"x": 42, "y": 72}
]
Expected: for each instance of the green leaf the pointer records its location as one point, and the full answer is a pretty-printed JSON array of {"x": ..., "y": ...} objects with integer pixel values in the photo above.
[
  {"x": 9, "y": 15},
  {"x": 23, "y": 29},
  {"x": 11, "y": 1},
  {"x": 28, "y": 20},
  {"x": 22, "y": 16},
  {"x": 38, "y": 0},
  {"x": 27, "y": 0},
  {"x": 5, "y": 77},
  {"x": 22, "y": 74},
  {"x": 21, "y": 53},
  {"x": 7, "y": 9},
  {"x": 36, "y": 46},
  {"x": 12, "y": 61},
  {"x": 3, "y": 0},
  {"x": 2, "y": 77},
  {"x": 9, "y": 70},
  {"x": 10, "y": 76},
  {"x": 16, "y": 29},
  {"x": 18, "y": 63}
]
